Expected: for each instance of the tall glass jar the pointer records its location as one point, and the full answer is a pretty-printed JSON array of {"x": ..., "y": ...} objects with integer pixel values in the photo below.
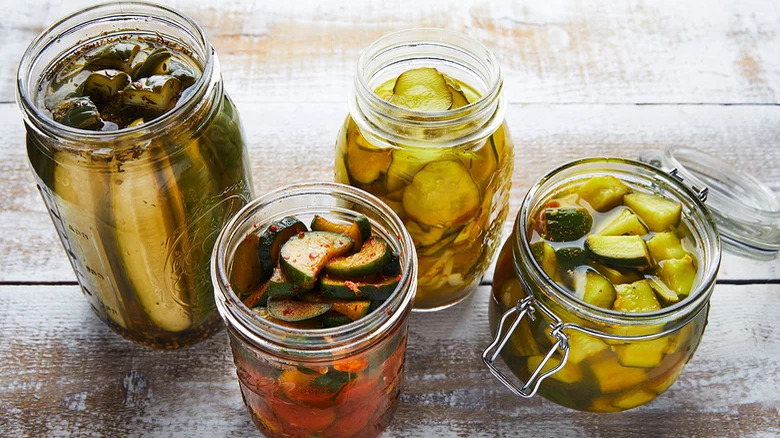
[
  {"x": 572, "y": 352},
  {"x": 447, "y": 174},
  {"x": 336, "y": 382},
  {"x": 138, "y": 209}
]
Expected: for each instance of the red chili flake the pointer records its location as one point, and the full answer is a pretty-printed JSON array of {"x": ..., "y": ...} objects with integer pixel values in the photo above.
[
  {"x": 398, "y": 277},
  {"x": 373, "y": 254},
  {"x": 273, "y": 228},
  {"x": 286, "y": 257},
  {"x": 294, "y": 260},
  {"x": 313, "y": 255},
  {"x": 300, "y": 234}
]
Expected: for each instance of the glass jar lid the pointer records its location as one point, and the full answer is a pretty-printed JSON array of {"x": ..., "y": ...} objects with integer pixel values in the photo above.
[{"x": 746, "y": 210}]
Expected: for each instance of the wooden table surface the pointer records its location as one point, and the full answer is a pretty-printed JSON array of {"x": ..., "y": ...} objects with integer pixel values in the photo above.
[{"x": 583, "y": 78}]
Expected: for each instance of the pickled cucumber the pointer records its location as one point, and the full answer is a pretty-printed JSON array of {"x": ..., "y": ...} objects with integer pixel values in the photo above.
[
  {"x": 635, "y": 297},
  {"x": 603, "y": 192},
  {"x": 664, "y": 246},
  {"x": 660, "y": 214},
  {"x": 441, "y": 194},
  {"x": 422, "y": 89},
  {"x": 626, "y": 223}
]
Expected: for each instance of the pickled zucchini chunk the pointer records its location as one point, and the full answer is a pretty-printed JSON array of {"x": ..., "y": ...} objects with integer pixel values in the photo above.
[
  {"x": 570, "y": 373},
  {"x": 633, "y": 399},
  {"x": 441, "y": 194},
  {"x": 377, "y": 290},
  {"x": 78, "y": 112},
  {"x": 483, "y": 163},
  {"x": 115, "y": 56},
  {"x": 152, "y": 62},
  {"x": 359, "y": 229},
  {"x": 371, "y": 258},
  {"x": 334, "y": 319},
  {"x": 664, "y": 246},
  {"x": 644, "y": 354},
  {"x": 615, "y": 275},
  {"x": 635, "y": 297},
  {"x": 156, "y": 94},
  {"x": 303, "y": 256},
  {"x": 598, "y": 291},
  {"x": 626, "y": 223},
  {"x": 603, "y": 192},
  {"x": 104, "y": 84},
  {"x": 544, "y": 254},
  {"x": 306, "y": 324},
  {"x": 665, "y": 295},
  {"x": 291, "y": 310},
  {"x": 258, "y": 297},
  {"x": 626, "y": 251},
  {"x": 422, "y": 89},
  {"x": 679, "y": 275},
  {"x": 613, "y": 377},
  {"x": 353, "y": 309},
  {"x": 660, "y": 214},
  {"x": 393, "y": 265},
  {"x": 582, "y": 346},
  {"x": 571, "y": 257},
  {"x": 565, "y": 223},
  {"x": 246, "y": 273},
  {"x": 280, "y": 286},
  {"x": 272, "y": 239},
  {"x": 179, "y": 70}
]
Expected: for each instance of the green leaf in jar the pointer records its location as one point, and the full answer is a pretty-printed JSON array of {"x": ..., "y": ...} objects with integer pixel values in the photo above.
[
  {"x": 78, "y": 112},
  {"x": 103, "y": 84},
  {"x": 156, "y": 93},
  {"x": 116, "y": 56}
]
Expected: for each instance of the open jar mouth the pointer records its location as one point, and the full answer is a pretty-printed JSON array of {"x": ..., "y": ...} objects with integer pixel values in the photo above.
[
  {"x": 702, "y": 227},
  {"x": 455, "y": 54},
  {"x": 309, "y": 199},
  {"x": 99, "y": 23}
]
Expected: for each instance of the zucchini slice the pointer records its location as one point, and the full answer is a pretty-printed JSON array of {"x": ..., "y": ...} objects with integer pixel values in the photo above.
[
  {"x": 422, "y": 89},
  {"x": 613, "y": 377},
  {"x": 582, "y": 346},
  {"x": 365, "y": 162},
  {"x": 598, "y": 291},
  {"x": 78, "y": 112},
  {"x": 334, "y": 319},
  {"x": 359, "y": 230},
  {"x": 306, "y": 324},
  {"x": 441, "y": 194},
  {"x": 279, "y": 286},
  {"x": 565, "y": 223},
  {"x": 353, "y": 309},
  {"x": 103, "y": 84},
  {"x": 627, "y": 223},
  {"x": 603, "y": 193},
  {"x": 635, "y": 297},
  {"x": 571, "y": 257},
  {"x": 660, "y": 214},
  {"x": 544, "y": 254},
  {"x": 246, "y": 272},
  {"x": 291, "y": 310},
  {"x": 663, "y": 292},
  {"x": 570, "y": 373},
  {"x": 157, "y": 93},
  {"x": 371, "y": 258},
  {"x": 664, "y": 246},
  {"x": 257, "y": 298},
  {"x": 272, "y": 239},
  {"x": 679, "y": 274},
  {"x": 645, "y": 354},
  {"x": 632, "y": 399},
  {"x": 405, "y": 163},
  {"x": 393, "y": 265},
  {"x": 629, "y": 251},
  {"x": 303, "y": 256},
  {"x": 614, "y": 275},
  {"x": 376, "y": 290}
]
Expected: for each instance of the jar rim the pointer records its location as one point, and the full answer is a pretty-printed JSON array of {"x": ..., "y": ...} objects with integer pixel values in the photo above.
[
  {"x": 711, "y": 250},
  {"x": 142, "y": 11},
  {"x": 313, "y": 343}
]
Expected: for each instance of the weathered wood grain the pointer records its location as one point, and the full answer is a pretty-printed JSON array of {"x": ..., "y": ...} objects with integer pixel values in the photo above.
[
  {"x": 294, "y": 142},
  {"x": 63, "y": 372},
  {"x": 564, "y": 51}
]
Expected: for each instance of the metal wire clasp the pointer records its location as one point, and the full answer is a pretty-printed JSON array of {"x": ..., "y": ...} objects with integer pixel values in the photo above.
[
  {"x": 525, "y": 308},
  {"x": 700, "y": 192}
]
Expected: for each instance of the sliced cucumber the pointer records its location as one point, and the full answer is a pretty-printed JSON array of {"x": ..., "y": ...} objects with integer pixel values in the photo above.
[
  {"x": 571, "y": 257},
  {"x": 458, "y": 98},
  {"x": 354, "y": 309},
  {"x": 660, "y": 214},
  {"x": 666, "y": 295},
  {"x": 626, "y": 223},
  {"x": 646, "y": 354},
  {"x": 246, "y": 272},
  {"x": 422, "y": 89},
  {"x": 151, "y": 63},
  {"x": 628, "y": 251},
  {"x": 632, "y": 399},
  {"x": 78, "y": 112},
  {"x": 371, "y": 258},
  {"x": 393, "y": 265},
  {"x": 291, "y": 310},
  {"x": 303, "y": 256},
  {"x": 377, "y": 290},
  {"x": 565, "y": 224},
  {"x": 103, "y": 84},
  {"x": 570, "y": 373},
  {"x": 664, "y": 246},
  {"x": 406, "y": 163},
  {"x": 359, "y": 230},
  {"x": 307, "y": 324},
  {"x": 365, "y": 163},
  {"x": 116, "y": 56},
  {"x": 273, "y": 238},
  {"x": 279, "y": 286},
  {"x": 582, "y": 346},
  {"x": 635, "y": 297},
  {"x": 544, "y": 254},
  {"x": 441, "y": 194},
  {"x": 334, "y": 319},
  {"x": 438, "y": 247},
  {"x": 613, "y": 377},
  {"x": 679, "y": 274},
  {"x": 614, "y": 275},
  {"x": 598, "y": 290},
  {"x": 603, "y": 193},
  {"x": 157, "y": 93},
  {"x": 257, "y": 298}
]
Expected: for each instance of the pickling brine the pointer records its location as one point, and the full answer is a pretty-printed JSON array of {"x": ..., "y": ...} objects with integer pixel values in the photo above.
[{"x": 139, "y": 156}]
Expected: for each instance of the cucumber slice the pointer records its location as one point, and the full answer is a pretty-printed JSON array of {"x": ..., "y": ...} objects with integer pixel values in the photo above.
[
  {"x": 117, "y": 56},
  {"x": 78, "y": 112},
  {"x": 666, "y": 295},
  {"x": 377, "y": 290},
  {"x": 603, "y": 193},
  {"x": 613, "y": 377},
  {"x": 359, "y": 230},
  {"x": 365, "y": 162},
  {"x": 334, "y": 319},
  {"x": 303, "y": 256},
  {"x": 571, "y": 257},
  {"x": 422, "y": 89},
  {"x": 614, "y": 275},
  {"x": 582, "y": 346},
  {"x": 660, "y": 214},
  {"x": 393, "y": 265},
  {"x": 441, "y": 194},
  {"x": 664, "y": 246},
  {"x": 406, "y": 163},
  {"x": 279, "y": 286},
  {"x": 156, "y": 94},
  {"x": 570, "y": 373},
  {"x": 629, "y": 251},
  {"x": 565, "y": 224},
  {"x": 679, "y": 275},
  {"x": 438, "y": 247},
  {"x": 354, "y": 309},
  {"x": 598, "y": 291},
  {"x": 257, "y": 298},
  {"x": 371, "y": 258},
  {"x": 626, "y": 223},
  {"x": 544, "y": 254},
  {"x": 272, "y": 239},
  {"x": 151, "y": 63},
  {"x": 246, "y": 272},
  {"x": 646, "y": 354},
  {"x": 104, "y": 84},
  {"x": 483, "y": 163},
  {"x": 291, "y": 310},
  {"x": 635, "y": 297},
  {"x": 307, "y": 324},
  {"x": 633, "y": 399},
  {"x": 458, "y": 98},
  {"x": 427, "y": 236}
]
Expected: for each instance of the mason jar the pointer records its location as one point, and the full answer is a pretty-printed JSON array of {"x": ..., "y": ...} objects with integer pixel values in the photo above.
[
  {"x": 447, "y": 174},
  {"x": 571, "y": 352},
  {"x": 333, "y": 382},
  {"x": 138, "y": 209}
]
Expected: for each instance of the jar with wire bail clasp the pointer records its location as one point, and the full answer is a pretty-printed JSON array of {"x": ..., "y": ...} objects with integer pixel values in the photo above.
[{"x": 593, "y": 357}]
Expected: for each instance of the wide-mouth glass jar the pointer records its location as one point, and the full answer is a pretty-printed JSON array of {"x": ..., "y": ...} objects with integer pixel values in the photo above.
[
  {"x": 138, "y": 209},
  {"x": 580, "y": 355},
  {"x": 446, "y": 173},
  {"x": 333, "y": 382}
]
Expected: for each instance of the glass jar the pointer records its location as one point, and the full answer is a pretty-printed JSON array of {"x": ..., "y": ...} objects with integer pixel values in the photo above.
[
  {"x": 336, "y": 382},
  {"x": 385, "y": 149},
  {"x": 138, "y": 209},
  {"x": 568, "y": 350}
]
